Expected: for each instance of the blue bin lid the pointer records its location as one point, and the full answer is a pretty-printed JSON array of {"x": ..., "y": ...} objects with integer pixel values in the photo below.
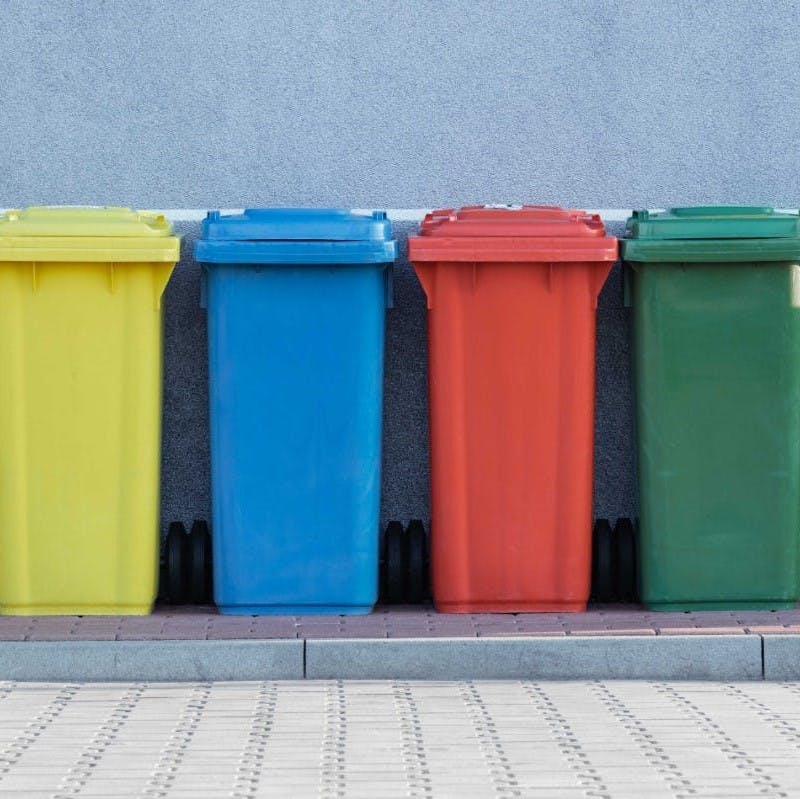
[{"x": 296, "y": 236}]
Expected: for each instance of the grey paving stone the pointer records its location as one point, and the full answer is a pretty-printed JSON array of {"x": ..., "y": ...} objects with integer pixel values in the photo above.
[
  {"x": 93, "y": 661},
  {"x": 693, "y": 657}
]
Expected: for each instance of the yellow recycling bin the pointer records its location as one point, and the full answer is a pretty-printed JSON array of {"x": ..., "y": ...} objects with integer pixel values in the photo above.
[{"x": 80, "y": 408}]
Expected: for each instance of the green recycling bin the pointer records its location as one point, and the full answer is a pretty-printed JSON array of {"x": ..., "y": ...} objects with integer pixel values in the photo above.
[{"x": 716, "y": 319}]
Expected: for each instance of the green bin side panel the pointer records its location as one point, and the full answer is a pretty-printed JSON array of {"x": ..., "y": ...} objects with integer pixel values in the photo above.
[{"x": 717, "y": 349}]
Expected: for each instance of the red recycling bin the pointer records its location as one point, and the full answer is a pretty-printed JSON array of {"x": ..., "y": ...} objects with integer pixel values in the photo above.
[{"x": 512, "y": 295}]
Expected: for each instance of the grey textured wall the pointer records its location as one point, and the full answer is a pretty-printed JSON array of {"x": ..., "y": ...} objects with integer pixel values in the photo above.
[
  {"x": 201, "y": 103},
  {"x": 406, "y": 104}
]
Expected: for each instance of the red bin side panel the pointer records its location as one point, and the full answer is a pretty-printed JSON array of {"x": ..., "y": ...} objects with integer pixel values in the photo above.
[{"x": 511, "y": 414}]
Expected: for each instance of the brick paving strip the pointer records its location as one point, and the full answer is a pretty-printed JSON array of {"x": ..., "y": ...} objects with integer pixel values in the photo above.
[
  {"x": 607, "y": 642},
  {"x": 169, "y": 624}
]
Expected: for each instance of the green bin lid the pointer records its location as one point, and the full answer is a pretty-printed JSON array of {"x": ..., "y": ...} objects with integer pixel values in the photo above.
[{"x": 704, "y": 234}]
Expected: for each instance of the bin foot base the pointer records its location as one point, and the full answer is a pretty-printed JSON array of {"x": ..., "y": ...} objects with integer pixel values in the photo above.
[
  {"x": 736, "y": 605},
  {"x": 76, "y": 610},
  {"x": 295, "y": 610},
  {"x": 510, "y": 607}
]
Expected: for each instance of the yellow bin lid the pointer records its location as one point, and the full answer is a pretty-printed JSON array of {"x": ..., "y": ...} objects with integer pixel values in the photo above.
[{"x": 70, "y": 233}]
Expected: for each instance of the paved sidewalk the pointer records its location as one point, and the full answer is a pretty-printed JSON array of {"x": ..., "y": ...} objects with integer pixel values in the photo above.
[
  {"x": 611, "y": 642},
  {"x": 392, "y": 739},
  {"x": 199, "y": 623}
]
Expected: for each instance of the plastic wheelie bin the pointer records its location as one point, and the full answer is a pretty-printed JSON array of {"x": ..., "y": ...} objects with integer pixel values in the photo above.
[
  {"x": 80, "y": 408},
  {"x": 715, "y": 294},
  {"x": 512, "y": 294},
  {"x": 296, "y": 308}
]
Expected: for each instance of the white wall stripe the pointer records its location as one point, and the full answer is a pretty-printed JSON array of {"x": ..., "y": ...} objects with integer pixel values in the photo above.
[{"x": 395, "y": 214}]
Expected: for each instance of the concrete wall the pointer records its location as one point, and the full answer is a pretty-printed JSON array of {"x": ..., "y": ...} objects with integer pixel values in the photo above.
[{"x": 404, "y": 104}]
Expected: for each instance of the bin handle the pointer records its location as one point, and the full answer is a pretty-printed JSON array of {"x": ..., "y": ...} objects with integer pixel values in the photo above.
[
  {"x": 426, "y": 275},
  {"x": 627, "y": 285},
  {"x": 390, "y": 285},
  {"x": 203, "y": 286}
]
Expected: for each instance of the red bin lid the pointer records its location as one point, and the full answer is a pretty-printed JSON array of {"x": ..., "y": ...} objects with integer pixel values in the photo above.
[{"x": 512, "y": 233}]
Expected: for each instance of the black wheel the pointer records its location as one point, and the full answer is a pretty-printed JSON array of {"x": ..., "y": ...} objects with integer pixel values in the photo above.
[
  {"x": 417, "y": 572},
  {"x": 625, "y": 556},
  {"x": 200, "y": 574},
  {"x": 177, "y": 564},
  {"x": 394, "y": 564},
  {"x": 602, "y": 562}
]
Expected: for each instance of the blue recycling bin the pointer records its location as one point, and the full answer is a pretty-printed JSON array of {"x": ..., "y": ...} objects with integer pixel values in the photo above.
[{"x": 296, "y": 305}]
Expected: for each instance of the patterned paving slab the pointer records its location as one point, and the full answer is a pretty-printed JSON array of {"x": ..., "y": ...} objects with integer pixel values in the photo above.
[
  {"x": 397, "y": 622},
  {"x": 393, "y": 738}
]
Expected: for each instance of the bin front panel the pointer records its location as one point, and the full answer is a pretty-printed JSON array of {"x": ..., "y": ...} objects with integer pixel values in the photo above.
[
  {"x": 511, "y": 414},
  {"x": 296, "y": 382},
  {"x": 80, "y": 425},
  {"x": 717, "y": 349}
]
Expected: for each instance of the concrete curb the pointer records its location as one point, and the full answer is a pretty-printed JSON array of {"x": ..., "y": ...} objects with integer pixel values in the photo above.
[
  {"x": 781, "y": 657},
  {"x": 156, "y": 661},
  {"x": 678, "y": 657}
]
